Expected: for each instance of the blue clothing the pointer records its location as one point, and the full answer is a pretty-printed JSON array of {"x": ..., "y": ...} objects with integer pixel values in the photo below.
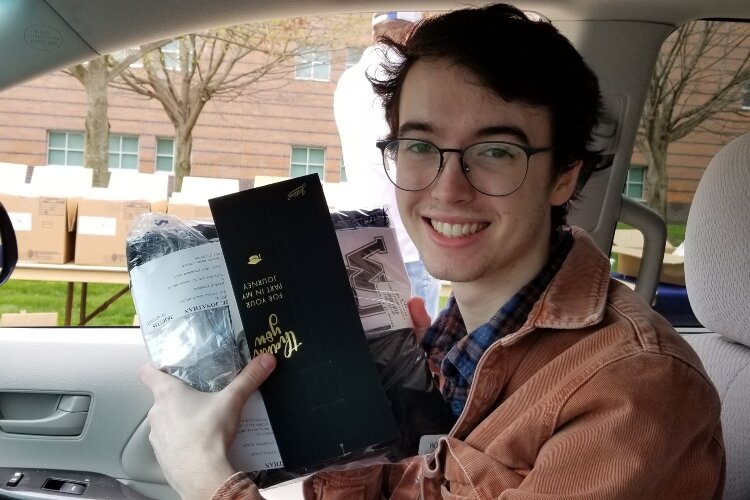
[
  {"x": 425, "y": 286},
  {"x": 458, "y": 352}
]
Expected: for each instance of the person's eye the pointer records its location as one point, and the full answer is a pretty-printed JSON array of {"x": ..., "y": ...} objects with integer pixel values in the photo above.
[
  {"x": 499, "y": 151},
  {"x": 420, "y": 147}
]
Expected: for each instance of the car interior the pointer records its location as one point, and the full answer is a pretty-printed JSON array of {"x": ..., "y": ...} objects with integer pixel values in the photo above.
[{"x": 72, "y": 412}]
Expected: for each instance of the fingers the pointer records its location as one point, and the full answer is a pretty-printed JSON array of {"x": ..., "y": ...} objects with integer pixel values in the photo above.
[
  {"x": 160, "y": 383},
  {"x": 419, "y": 316},
  {"x": 152, "y": 377},
  {"x": 238, "y": 391},
  {"x": 250, "y": 378}
]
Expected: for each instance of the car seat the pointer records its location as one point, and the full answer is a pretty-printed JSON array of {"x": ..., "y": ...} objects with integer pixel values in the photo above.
[{"x": 717, "y": 275}]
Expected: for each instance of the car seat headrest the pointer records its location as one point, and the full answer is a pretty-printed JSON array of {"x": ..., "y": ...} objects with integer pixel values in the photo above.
[{"x": 717, "y": 244}]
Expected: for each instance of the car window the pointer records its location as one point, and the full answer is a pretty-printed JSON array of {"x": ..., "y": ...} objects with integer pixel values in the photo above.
[
  {"x": 271, "y": 117},
  {"x": 698, "y": 101},
  {"x": 258, "y": 108}
]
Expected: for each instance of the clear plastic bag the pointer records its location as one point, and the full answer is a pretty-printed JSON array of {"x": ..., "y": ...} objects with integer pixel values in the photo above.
[
  {"x": 197, "y": 347},
  {"x": 200, "y": 348},
  {"x": 416, "y": 402}
]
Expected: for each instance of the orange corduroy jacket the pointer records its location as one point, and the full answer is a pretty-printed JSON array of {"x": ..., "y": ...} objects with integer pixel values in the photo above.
[{"x": 594, "y": 397}]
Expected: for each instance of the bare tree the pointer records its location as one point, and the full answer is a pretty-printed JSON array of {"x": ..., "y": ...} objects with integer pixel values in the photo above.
[
  {"x": 95, "y": 76},
  {"x": 222, "y": 63},
  {"x": 702, "y": 71}
]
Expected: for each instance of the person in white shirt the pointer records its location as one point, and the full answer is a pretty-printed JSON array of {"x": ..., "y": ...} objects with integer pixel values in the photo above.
[{"x": 360, "y": 120}]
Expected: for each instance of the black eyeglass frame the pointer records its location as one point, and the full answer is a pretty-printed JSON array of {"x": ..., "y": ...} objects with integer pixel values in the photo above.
[{"x": 528, "y": 150}]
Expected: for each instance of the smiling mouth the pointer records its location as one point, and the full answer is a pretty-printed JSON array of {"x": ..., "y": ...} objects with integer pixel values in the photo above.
[{"x": 457, "y": 230}]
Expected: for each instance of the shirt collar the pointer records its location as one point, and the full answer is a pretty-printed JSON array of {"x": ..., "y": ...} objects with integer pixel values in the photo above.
[{"x": 458, "y": 352}]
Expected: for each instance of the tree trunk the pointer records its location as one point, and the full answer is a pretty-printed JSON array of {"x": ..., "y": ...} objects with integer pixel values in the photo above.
[
  {"x": 656, "y": 178},
  {"x": 184, "y": 149},
  {"x": 96, "y": 123}
]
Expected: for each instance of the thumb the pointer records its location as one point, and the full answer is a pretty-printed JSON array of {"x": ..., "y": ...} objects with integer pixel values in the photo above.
[
  {"x": 250, "y": 378},
  {"x": 419, "y": 317}
]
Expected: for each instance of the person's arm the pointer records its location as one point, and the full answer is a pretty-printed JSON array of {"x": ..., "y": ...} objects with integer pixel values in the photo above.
[
  {"x": 644, "y": 426},
  {"x": 237, "y": 487},
  {"x": 191, "y": 431}
]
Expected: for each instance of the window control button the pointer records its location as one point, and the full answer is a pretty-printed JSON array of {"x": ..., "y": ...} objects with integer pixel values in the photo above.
[
  {"x": 73, "y": 488},
  {"x": 13, "y": 481}
]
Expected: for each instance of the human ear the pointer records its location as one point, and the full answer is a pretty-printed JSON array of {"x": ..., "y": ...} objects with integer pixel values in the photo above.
[{"x": 565, "y": 184}]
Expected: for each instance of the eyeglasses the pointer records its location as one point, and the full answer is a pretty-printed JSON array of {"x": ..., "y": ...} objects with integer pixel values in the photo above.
[{"x": 493, "y": 168}]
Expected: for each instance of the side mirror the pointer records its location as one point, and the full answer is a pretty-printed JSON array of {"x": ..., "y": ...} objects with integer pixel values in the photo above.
[{"x": 8, "y": 246}]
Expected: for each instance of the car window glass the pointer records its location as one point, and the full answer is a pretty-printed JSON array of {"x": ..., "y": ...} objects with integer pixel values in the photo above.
[
  {"x": 280, "y": 125},
  {"x": 698, "y": 101},
  {"x": 265, "y": 113}
]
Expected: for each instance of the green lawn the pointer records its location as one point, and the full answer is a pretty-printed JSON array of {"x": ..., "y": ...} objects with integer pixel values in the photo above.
[
  {"x": 49, "y": 296},
  {"x": 442, "y": 301},
  {"x": 42, "y": 296},
  {"x": 675, "y": 232},
  {"x": 675, "y": 236}
]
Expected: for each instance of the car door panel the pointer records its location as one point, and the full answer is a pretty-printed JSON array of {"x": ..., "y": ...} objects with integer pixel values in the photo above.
[
  {"x": 45, "y": 484},
  {"x": 70, "y": 400}
]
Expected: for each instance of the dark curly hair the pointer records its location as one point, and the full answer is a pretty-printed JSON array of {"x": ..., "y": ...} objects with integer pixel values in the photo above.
[{"x": 545, "y": 70}]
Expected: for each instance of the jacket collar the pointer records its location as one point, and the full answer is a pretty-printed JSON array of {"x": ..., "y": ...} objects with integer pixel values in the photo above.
[{"x": 577, "y": 295}]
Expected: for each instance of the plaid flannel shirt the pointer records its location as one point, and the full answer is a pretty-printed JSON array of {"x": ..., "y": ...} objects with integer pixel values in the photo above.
[{"x": 457, "y": 352}]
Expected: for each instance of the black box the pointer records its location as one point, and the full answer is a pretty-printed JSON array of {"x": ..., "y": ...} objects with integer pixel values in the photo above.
[{"x": 325, "y": 399}]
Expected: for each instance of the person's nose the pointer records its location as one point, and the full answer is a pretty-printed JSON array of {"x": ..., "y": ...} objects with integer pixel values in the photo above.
[{"x": 452, "y": 186}]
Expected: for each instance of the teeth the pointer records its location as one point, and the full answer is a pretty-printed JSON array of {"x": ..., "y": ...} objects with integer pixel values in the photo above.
[{"x": 457, "y": 230}]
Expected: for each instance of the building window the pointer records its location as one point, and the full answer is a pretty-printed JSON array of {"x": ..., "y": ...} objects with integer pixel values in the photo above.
[
  {"x": 171, "y": 53},
  {"x": 342, "y": 171},
  {"x": 353, "y": 55},
  {"x": 123, "y": 152},
  {"x": 164, "y": 155},
  {"x": 635, "y": 182},
  {"x": 313, "y": 65},
  {"x": 65, "y": 148},
  {"x": 307, "y": 161}
]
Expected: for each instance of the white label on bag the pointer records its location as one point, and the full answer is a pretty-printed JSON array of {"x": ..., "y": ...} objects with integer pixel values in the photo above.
[
  {"x": 378, "y": 277},
  {"x": 254, "y": 448},
  {"x": 21, "y": 220},
  {"x": 185, "y": 282},
  {"x": 178, "y": 284},
  {"x": 98, "y": 226}
]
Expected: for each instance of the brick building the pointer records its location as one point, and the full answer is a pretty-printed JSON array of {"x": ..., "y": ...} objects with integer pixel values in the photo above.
[
  {"x": 284, "y": 132},
  {"x": 720, "y": 51}
]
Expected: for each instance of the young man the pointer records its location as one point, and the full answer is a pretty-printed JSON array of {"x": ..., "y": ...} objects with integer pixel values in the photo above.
[
  {"x": 563, "y": 382},
  {"x": 361, "y": 122}
]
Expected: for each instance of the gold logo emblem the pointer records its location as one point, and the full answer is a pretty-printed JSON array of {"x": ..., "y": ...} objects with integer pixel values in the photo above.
[
  {"x": 254, "y": 259},
  {"x": 298, "y": 191}
]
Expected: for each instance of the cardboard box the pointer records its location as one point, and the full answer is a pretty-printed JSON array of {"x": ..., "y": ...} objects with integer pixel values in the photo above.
[
  {"x": 106, "y": 215},
  {"x": 325, "y": 399},
  {"x": 188, "y": 209},
  {"x": 628, "y": 245},
  {"x": 44, "y": 212},
  {"x": 12, "y": 174},
  {"x": 192, "y": 201},
  {"x": 29, "y": 319},
  {"x": 75, "y": 180},
  {"x": 129, "y": 184},
  {"x": 44, "y": 225},
  {"x": 208, "y": 187}
]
